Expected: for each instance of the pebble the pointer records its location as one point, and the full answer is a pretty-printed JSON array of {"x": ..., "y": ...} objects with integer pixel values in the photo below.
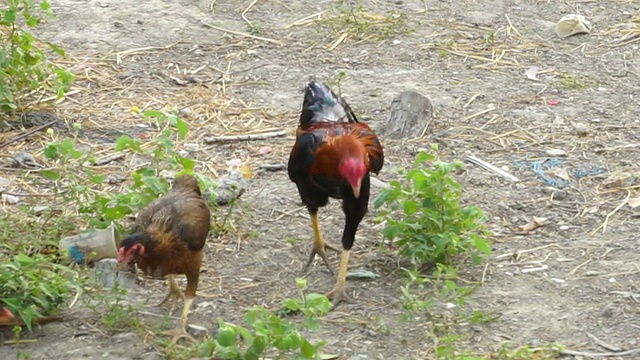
[
  {"x": 556, "y": 152},
  {"x": 10, "y": 199}
]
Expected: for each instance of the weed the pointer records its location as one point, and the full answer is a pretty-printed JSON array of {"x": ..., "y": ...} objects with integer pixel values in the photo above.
[
  {"x": 116, "y": 314},
  {"x": 34, "y": 287},
  {"x": 337, "y": 81},
  {"x": 75, "y": 179},
  {"x": 575, "y": 82},
  {"x": 424, "y": 217},
  {"x": 268, "y": 333},
  {"x": 24, "y": 67},
  {"x": 355, "y": 22},
  {"x": 255, "y": 29}
]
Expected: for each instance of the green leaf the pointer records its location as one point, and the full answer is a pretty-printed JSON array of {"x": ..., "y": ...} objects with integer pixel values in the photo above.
[
  {"x": 9, "y": 16},
  {"x": 50, "y": 174},
  {"x": 307, "y": 349},
  {"x": 291, "y": 304},
  {"x": 482, "y": 245},
  {"x": 183, "y": 128},
  {"x": 124, "y": 142},
  {"x": 50, "y": 152},
  {"x": 153, "y": 114},
  {"x": 187, "y": 164},
  {"x": 226, "y": 336}
]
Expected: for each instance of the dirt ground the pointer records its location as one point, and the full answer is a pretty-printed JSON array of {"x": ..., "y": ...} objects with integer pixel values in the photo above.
[{"x": 568, "y": 281}]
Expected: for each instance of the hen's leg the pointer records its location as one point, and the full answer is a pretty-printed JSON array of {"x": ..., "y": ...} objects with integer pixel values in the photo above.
[
  {"x": 181, "y": 331},
  {"x": 174, "y": 293},
  {"x": 190, "y": 293},
  {"x": 319, "y": 245},
  {"x": 338, "y": 293}
]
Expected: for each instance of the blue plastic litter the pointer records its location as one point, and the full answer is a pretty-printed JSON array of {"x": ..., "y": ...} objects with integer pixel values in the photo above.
[
  {"x": 76, "y": 254},
  {"x": 541, "y": 166}
]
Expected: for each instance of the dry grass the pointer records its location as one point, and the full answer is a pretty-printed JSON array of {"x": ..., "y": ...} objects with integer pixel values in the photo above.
[
  {"x": 627, "y": 32},
  {"x": 499, "y": 49},
  {"x": 103, "y": 98},
  {"x": 353, "y": 24}
]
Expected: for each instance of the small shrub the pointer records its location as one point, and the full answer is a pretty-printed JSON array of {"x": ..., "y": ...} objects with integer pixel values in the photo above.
[
  {"x": 425, "y": 218},
  {"x": 34, "y": 287},
  {"x": 74, "y": 178},
  {"x": 24, "y": 67}
]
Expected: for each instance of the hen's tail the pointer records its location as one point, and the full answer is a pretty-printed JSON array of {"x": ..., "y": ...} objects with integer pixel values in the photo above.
[
  {"x": 322, "y": 104},
  {"x": 187, "y": 182}
]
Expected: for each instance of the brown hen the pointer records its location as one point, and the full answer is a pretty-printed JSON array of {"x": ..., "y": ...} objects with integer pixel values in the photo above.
[{"x": 168, "y": 239}]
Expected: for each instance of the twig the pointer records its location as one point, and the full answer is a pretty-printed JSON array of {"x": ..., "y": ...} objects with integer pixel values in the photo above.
[
  {"x": 608, "y": 354},
  {"x": 247, "y": 10},
  {"x": 528, "y": 270},
  {"x": 609, "y": 215},
  {"x": 241, "y": 33},
  {"x": 21, "y": 341},
  {"x": 619, "y": 147},
  {"x": 108, "y": 159},
  {"x": 579, "y": 266},
  {"x": 478, "y": 114},
  {"x": 520, "y": 252},
  {"x": 263, "y": 136},
  {"x": 140, "y": 50},
  {"x": 628, "y": 294},
  {"x": 490, "y": 167},
  {"x": 32, "y": 131},
  {"x": 630, "y": 272},
  {"x": 484, "y": 273},
  {"x": 603, "y": 344}
]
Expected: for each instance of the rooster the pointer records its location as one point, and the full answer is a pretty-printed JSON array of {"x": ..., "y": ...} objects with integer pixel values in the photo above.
[
  {"x": 168, "y": 239},
  {"x": 332, "y": 157}
]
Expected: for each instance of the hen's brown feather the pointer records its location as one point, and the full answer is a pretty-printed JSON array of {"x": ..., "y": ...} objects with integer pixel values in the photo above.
[{"x": 174, "y": 229}]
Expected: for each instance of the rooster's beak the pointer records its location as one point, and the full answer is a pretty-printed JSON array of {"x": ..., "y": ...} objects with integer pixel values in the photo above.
[{"x": 356, "y": 189}]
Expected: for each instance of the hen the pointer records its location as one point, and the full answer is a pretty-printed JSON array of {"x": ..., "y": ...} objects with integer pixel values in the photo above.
[
  {"x": 168, "y": 239},
  {"x": 332, "y": 157}
]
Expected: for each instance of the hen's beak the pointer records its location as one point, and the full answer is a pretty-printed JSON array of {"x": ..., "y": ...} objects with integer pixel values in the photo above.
[{"x": 356, "y": 188}]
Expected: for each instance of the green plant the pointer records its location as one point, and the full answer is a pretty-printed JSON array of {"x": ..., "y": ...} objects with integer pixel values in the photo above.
[
  {"x": 34, "y": 287},
  {"x": 115, "y": 313},
  {"x": 355, "y": 22},
  {"x": 268, "y": 333},
  {"x": 575, "y": 82},
  {"x": 337, "y": 80},
  {"x": 425, "y": 218},
  {"x": 311, "y": 305},
  {"x": 75, "y": 179},
  {"x": 255, "y": 29},
  {"x": 24, "y": 67}
]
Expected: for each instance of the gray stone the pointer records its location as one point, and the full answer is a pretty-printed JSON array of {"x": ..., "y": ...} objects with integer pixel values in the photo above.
[
  {"x": 409, "y": 115},
  {"x": 105, "y": 274}
]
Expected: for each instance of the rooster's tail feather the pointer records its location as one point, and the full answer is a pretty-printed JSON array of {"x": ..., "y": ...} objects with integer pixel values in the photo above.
[{"x": 322, "y": 104}]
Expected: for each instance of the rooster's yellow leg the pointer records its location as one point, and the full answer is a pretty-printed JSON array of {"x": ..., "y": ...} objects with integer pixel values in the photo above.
[
  {"x": 319, "y": 245},
  {"x": 339, "y": 290},
  {"x": 174, "y": 293}
]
